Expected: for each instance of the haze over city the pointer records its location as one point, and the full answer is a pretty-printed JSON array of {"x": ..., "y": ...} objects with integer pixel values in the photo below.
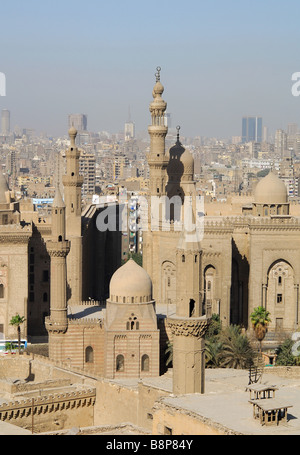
[{"x": 220, "y": 61}]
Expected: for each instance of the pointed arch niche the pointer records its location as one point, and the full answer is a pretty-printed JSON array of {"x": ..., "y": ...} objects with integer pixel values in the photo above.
[
  {"x": 280, "y": 296},
  {"x": 210, "y": 302},
  {"x": 168, "y": 282}
]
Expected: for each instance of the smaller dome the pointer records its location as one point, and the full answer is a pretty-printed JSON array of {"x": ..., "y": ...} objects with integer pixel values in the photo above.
[
  {"x": 158, "y": 89},
  {"x": 187, "y": 160},
  {"x": 270, "y": 190},
  {"x": 72, "y": 131},
  {"x": 72, "y": 134},
  {"x": 130, "y": 282}
]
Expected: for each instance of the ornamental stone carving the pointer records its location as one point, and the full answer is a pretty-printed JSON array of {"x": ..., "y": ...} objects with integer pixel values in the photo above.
[{"x": 189, "y": 327}]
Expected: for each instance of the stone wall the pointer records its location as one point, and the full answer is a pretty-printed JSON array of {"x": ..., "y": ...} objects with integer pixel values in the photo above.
[
  {"x": 169, "y": 420},
  {"x": 51, "y": 412},
  {"x": 47, "y": 396}
]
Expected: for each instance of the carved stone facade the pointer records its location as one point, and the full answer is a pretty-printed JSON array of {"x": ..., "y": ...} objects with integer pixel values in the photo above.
[{"x": 234, "y": 265}]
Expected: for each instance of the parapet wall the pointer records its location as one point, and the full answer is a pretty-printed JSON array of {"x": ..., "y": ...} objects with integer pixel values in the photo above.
[{"x": 47, "y": 396}]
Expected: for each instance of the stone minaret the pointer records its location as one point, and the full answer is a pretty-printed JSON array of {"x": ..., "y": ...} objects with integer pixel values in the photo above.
[
  {"x": 58, "y": 248},
  {"x": 188, "y": 276},
  {"x": 157, "y": 158},
  {"x": 72, "y": 182},
  {"x": 188, "y": 327},
  {"x": 158, "y": 162}
]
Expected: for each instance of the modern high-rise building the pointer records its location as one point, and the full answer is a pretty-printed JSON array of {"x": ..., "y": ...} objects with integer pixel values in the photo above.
[
  {"x": 78, "y": 121},
  {"x": 5, "y": 122},
  {"x": 251, "y": 129},
  {"x": 265, "y": 136},
  {"x": 129, "y": 130},
  {"x": 280, "y": 146},
  {"x": 168, "y": 120},
  {"x": 292, "y": 129},
  {"x": 87, "y": 168}
]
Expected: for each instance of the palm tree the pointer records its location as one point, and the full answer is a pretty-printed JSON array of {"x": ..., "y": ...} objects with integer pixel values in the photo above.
[
  {"x": 236, "y": 348},
  {"x": 213, "y": 350},
  {"x": 16, "y": 321},
  {"x": 169, "y": 353},
  {"x": 260, "y": 319}
]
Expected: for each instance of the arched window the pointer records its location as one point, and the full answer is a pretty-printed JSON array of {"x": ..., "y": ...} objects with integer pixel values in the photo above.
[
  {"x": 191, "y": 308},
  {"x": 183, "y": 258},
  {"x": 89, "y": 354},
  {"x": 1, "y": 291},
  {"x": 145, "y": 364},
  {"x": 120, "y": 363}
]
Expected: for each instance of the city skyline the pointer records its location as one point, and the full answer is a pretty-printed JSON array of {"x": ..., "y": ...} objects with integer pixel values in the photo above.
[{"x": 230, "y": 61}]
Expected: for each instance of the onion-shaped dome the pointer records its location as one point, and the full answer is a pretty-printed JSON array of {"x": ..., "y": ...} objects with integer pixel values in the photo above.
[{"x": 130, "y": 283}]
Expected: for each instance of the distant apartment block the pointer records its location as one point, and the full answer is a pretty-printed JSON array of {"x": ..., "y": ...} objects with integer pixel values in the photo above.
[
  {"x": 87, "y": 168},
  {"x": 5, "y": 122},
  {"x": 129, "y": 131},
  {"x": 280, "y": 146},
  {"x": 78, "y": 121}
]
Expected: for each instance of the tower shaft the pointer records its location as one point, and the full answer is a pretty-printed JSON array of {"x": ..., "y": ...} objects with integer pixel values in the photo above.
[{"x": 73, "y": 182}]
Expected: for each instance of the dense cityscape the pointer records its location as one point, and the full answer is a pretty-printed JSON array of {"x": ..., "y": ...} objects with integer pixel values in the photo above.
[{"x": 149, "y": 262}]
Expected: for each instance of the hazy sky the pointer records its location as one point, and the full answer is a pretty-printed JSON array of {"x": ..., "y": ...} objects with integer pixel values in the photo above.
[{"x": 220, "y": 60}]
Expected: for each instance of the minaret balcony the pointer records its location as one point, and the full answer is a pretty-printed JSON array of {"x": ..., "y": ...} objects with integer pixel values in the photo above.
[
  {"x": 55, "y": 327},
  {"x": 72, "y": 180},
  {"x": 59, "y": 248}
]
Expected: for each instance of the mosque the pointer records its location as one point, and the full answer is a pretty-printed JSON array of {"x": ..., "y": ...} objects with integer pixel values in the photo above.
[{"x": 49, "y": 270}]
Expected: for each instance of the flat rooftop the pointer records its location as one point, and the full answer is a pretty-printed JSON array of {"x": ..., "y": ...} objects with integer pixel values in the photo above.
[{"x": 226, "y": 402}]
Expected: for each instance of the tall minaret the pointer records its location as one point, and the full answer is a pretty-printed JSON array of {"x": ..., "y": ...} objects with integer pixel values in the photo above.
[
  {"x": 72, "y": 182},
  {"x": 188, "y": 276},
  {"x": 157, "y": 158},
  {"x": 158, "y": 162},
  {"x": 58, "y": 248},
  {"x": 188, "y": 327}
]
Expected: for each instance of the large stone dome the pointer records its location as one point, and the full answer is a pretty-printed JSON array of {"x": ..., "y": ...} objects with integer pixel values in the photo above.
[
  {"x": 270, "y": 190},
  {"x": 130, "y": 283}
]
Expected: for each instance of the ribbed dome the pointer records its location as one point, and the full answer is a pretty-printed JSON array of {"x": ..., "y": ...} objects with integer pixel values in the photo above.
[
  {"x": 181, "y": 161},
  {"x": 188, "y": 162},
  {"x": 270, "y": 190},
  {"x": 130, "y": 282}
]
